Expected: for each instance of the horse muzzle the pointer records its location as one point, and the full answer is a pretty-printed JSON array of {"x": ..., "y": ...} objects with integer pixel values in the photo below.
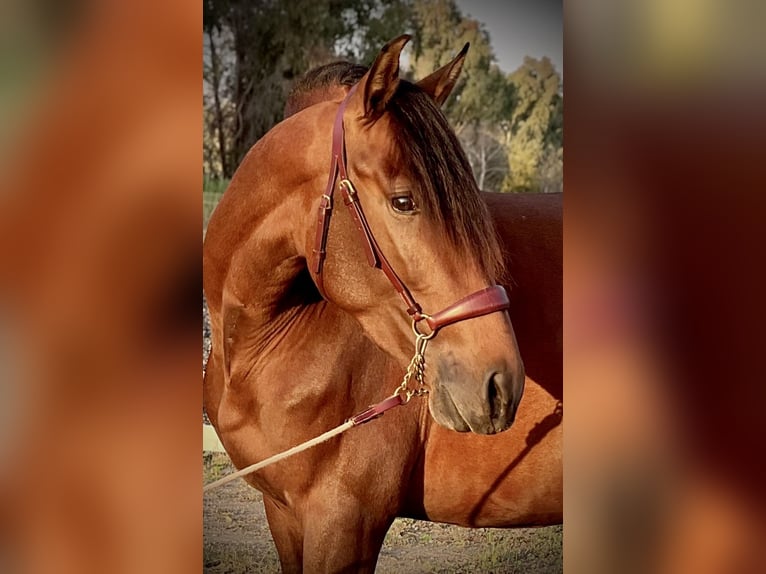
[{"x": 458, "y": 404}]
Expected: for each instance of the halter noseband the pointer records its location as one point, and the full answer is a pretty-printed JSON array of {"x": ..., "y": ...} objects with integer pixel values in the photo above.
[{"x": 482, "y": 302}]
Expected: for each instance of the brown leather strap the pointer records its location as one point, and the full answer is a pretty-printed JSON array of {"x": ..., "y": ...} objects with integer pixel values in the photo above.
[
  {"x": 320, "y": 240},
  {"x": 480, "y": 303},
  {"x": 375, "y": 255},
  {"x": 377, "y": 410},
  {"x": 351, "y": 200},
  {"x": 484, "y": 302},
  {"x": 337, "y": 166}
]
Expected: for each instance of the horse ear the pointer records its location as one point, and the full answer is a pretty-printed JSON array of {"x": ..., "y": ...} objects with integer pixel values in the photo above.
[
  {"x": 381, "y": 81},
  {"x": 439, "y": 85}
]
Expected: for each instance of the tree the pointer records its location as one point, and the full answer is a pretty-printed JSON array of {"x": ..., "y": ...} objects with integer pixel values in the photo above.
[
  {"x": 535, "y": 132},
  {"x": 482, "y": 94},
  {"x": 255, "y": 48},
  {"x": 486, "y": 154},
  {"x": 483, "y": 98},
  {"x": 509, "y": 125},
  {"x": 373, "y": 28},
  {"x": 216, "y": 119}
]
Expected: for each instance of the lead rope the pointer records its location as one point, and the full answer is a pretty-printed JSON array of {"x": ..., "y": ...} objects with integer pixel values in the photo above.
[{"x": 401, "y": 396}]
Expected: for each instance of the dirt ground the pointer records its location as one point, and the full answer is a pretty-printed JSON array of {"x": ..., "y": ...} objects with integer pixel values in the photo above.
[{"x": 237, "y": 539}]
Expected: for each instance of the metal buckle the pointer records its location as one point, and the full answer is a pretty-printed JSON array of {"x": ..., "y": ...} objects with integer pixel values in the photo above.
[
  {"x": 348, "y": 189},
  {"x": 425, "y": 336}
]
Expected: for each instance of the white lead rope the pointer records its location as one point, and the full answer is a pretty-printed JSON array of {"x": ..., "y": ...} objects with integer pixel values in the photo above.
[
  {"x": 401, "y": 396},
  {"x": 280, "y": 456}
]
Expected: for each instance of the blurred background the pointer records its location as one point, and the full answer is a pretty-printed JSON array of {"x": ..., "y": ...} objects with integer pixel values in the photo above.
[
  {"x": 99, "y": 286},
  {"x": 663, "y": 300},
  {"x": 507, "y": 108},
  {"x": 102, "y": 121}
]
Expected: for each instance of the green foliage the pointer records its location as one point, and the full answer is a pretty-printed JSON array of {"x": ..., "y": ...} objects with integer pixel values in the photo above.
[
  {"x": 215, "y": 465},
  {"x": 254, "y": 49},
  {"x": 535, "y": 131},
  {"x": 482, "y": 94},
  {"x": 510, "y": 125},
  {"x": 383, "y": 22}
]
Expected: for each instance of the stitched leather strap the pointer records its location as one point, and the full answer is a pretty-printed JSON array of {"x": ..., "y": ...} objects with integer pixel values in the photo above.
[
  {"x": 373, "y": 252},
  {"x": 377, "y": 410},
  {"x": 337, "y": 166},
  {"x": 483, "y": 302},
  {"x": 375, "y": 256}
]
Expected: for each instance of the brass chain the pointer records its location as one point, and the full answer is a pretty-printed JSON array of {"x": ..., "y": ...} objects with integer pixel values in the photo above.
[{"x": 417, "y": 369}]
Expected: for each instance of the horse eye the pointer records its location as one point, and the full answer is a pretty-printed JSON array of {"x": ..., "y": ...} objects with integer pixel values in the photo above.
[{"x": 403, "y": 204}]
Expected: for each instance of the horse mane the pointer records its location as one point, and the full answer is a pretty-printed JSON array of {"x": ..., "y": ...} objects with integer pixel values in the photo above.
[
  {"x": 316, "y": 85},
  {"x": 445, "y": 189}
]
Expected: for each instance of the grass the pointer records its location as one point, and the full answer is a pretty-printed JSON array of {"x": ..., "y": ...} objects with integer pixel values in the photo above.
[
  {"x": 212, "y": 190},
  {"x": 490, "y": 555},
  {"x": 237, "y": 539},
  {"x": 216, "y": 465},
  {"x": 527, "y": 551}
]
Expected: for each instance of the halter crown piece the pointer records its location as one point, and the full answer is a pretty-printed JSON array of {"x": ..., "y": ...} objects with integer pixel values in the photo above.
[{"x": 483, "y": 302}]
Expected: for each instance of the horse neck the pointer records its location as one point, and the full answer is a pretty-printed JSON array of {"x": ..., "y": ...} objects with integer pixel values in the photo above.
[{"x": 256, "y": 280}]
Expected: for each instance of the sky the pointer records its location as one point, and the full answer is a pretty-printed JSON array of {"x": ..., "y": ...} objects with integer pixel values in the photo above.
[{"x": 519, "y": 28}]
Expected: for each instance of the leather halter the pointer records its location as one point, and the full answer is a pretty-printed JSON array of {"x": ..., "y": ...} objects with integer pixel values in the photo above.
[{"x": 482, "y": 302}]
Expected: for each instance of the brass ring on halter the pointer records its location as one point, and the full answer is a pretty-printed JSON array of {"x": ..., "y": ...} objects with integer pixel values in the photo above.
[{"x": 426, "y": 336}]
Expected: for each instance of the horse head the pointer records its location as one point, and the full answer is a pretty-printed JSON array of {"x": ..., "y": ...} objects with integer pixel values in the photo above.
[{"x": 403, "y": 166}]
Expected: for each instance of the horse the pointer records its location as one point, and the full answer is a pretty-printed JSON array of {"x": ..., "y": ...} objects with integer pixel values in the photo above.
[
  {"x": 529, "y": 226},
  {"x": 306, "y": 330}
]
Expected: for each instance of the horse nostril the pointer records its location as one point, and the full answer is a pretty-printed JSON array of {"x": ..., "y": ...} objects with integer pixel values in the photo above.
[{"x": 497, "y": 393}]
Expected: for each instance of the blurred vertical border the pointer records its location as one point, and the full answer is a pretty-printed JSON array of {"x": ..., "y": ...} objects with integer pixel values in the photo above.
[
  {"x": 100, "y": 115},
  {"x": 665, "y": 127}
]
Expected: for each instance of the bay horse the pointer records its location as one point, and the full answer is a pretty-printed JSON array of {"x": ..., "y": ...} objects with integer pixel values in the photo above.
[
  {"x": 530, "y": 229},
  {"x": 306, "y": 332}
]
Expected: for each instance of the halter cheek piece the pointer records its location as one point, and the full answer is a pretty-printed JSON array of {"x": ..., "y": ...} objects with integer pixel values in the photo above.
[{"x": 482, "y": 302}]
